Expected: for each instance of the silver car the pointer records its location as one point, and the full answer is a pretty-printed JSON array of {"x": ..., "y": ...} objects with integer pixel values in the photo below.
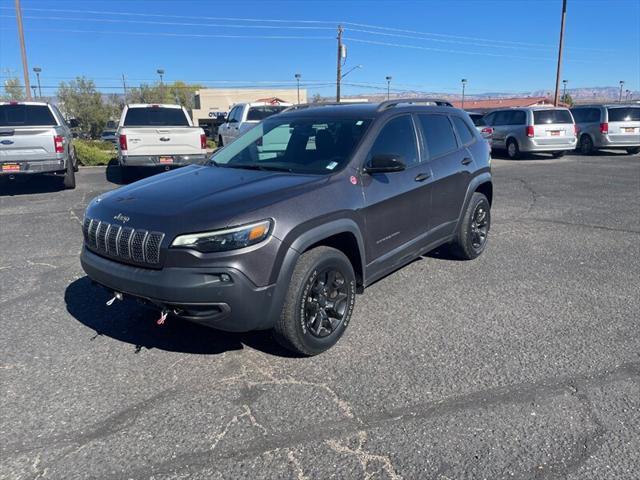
[
  {"x": 34, "y": 139},
  {"x": 481, "y": 126},
  {"x": 615, "y": 126},
  {"x": 532, "y": 130}
]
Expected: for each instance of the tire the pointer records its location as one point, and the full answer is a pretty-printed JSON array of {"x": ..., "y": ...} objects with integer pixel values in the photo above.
[
  {"x": 69, "y": 179},
  {"x": 471, "y": 237},
  {"x": 558, "y": 154},
  {"x": 586, "y": 145},
  {"x": 302, "y": 327},
  {"x": 633, "y": 150},
  {"x": 125, "y": 174},
  {"x": 219, "y": 141},
  {"x": 75, "y": 160},
  {"x": 513, "y": 150}
]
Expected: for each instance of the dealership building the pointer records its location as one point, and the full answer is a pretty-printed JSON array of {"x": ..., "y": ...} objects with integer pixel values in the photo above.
[{"x": 213, "y": 104}]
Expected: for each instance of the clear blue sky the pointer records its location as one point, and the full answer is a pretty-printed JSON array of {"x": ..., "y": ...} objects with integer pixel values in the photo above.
[{"x": 498, "y": 45}]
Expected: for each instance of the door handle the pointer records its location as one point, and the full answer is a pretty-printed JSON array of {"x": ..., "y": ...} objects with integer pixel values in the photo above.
[
  {"x": 421, "y": 177},
  {"x": 466, "y": 161}
]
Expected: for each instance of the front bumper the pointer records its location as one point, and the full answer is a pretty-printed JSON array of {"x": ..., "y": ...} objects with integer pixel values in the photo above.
[
  {"x": 218, "y": 297},
  {"x": 154, "y": 160},
  {"x": 30, "y": 167}
]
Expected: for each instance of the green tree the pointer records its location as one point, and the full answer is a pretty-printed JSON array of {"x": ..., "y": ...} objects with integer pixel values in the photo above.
[
  {"x": 178, "y": 92},
  {"x": 13, "y": 90},
  {"x": 81, "y": 100},
  {"x": 567, "y": 99},
  {"x": 317, "y": 98}
]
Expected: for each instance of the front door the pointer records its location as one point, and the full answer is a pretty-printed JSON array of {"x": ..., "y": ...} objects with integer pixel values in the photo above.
[{"x": 396, "y": 204}]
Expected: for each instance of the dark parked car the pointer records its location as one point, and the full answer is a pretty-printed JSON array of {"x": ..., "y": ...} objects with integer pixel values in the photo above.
[{"x": 285, "y": 225}]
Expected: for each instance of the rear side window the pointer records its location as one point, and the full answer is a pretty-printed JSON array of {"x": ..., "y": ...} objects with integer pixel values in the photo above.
[
  {"x": 624, "y": 114},
  {"x": 464, "y": 132},
  {"x": 155, "y": 117},
  {"x": 26, "y": 115},
  {"x": 397, "y": 138},
  {"x": 438, "y": 134},
  {"x": 501, "y": 118},
  {"x": 260, "y": 113},
  {"x": 517, "y": 117},
  {"x": 541, "y": 117},
  {"x": 478, "y": 120}
]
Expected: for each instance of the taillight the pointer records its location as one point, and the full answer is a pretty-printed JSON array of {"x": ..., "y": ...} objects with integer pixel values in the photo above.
[
  {"x": 530, "y": 131},
  {"x": 576, "y": 129},
  {"x": 58, "y": 141},
  {"x": 487, "y": 131},
  {"x": 203, "y": 141},
  {"x": 123, "y": 142},
  {"x": 604, "y": 127}
]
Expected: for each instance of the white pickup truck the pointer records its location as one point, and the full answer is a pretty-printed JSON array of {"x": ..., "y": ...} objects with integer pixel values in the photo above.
[
  {"x": 244, "y": 116},
  {"x": 158, "y": 135}
]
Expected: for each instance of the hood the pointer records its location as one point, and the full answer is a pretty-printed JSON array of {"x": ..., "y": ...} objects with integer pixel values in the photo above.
[{"x": 197, "y": 198}]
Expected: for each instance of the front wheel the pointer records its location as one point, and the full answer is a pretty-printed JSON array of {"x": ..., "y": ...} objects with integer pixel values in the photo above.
[
  {"x": 586, "y": 145},
  {"x": 633, "y": 150},
  {"x": 471, "y": 238},
  {"x": 220, "y": 141},
  {"x": 319, "y": 302}
]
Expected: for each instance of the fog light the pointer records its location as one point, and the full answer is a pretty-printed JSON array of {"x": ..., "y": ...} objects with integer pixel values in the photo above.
[{"x": 225, "y": 278}]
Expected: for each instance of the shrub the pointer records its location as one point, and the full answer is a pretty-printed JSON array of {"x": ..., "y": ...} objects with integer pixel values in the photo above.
[
  {"x": 211, "y": 144},
  {"x": 94, "y": 152}
]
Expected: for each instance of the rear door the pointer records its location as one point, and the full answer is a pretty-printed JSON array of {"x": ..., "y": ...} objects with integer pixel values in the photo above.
[
  {"x": 624, "y": 124},
  {"x": 500, "y": 123},
  {"x": 26, "y": 132},
  {"x": 553, "y": 127},
  {"x": 160, "y": 131}
]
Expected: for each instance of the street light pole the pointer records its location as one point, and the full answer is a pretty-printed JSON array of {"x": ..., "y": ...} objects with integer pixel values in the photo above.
[
  {"x": 38, "y": 70},
  {"x": 564, "y": 90},
  {"x": 297, "y": 75},
  {"x": 621, "y": 85},
  {"x": 564, "y": 15},
  {"x": 464, "y": 84},
  {"x": 388, "y": 78},
  {"x": 160, "y": 72},
  {"x": 23, "y": 51}
]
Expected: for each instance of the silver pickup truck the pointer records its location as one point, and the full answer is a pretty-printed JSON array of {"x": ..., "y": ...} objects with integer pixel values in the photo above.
[{"x": 35, "y": 139}]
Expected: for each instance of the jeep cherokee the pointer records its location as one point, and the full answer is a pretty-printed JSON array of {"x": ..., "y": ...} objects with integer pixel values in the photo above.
[{"x": 281, "y": 228}]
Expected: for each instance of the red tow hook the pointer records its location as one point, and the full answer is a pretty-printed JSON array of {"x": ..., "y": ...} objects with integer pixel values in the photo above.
[{"x": 163, "y": 317}]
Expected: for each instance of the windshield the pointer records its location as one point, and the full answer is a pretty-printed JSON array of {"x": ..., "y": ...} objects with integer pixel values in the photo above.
[
  {"x": 624, "y": 114},
  {"x": 155, "y": 117},
  {"x": 298, "y": 145},
  {"x": 260, "y": 113},
  {"x": 551, "y": 116},
  {"x": 17, "y": 115}
]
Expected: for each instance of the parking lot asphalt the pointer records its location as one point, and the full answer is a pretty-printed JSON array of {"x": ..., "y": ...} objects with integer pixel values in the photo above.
[{"x": 524, "y": 363}]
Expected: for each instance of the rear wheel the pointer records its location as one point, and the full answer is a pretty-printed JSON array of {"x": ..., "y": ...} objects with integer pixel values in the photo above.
[
  {"x": 633, "y": 150},
  {"x": 471, "y": 238},
  {"x": 558, "y": 154},
  {"x": 586, "y": 145},
  {"x": 513, "y": 150},
  {"x": 219, "y": 141},
  {"x": 319, "y": 302},
  {"x": 69, "y": 180}
]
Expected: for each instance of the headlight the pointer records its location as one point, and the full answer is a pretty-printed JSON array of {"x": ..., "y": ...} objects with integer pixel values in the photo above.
[{"x": 224, "y": 240}]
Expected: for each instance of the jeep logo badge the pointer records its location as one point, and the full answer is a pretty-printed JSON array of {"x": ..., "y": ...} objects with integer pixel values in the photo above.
[{"x": 121, "y": 218}]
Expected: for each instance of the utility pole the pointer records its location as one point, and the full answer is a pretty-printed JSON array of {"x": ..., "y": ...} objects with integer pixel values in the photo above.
[
  {"x": 388, "y": 79},
  {"x": 23, "y": 50},
  {"x": 621, "y": 85},
  {"x": 339, "y": 72},
  {"x": 124, "y": 88},
  {"x": 464, "y": 84},
  {"x": 560, "y": 46},
  {"x": 38, "y": 70},
  {"x": 297, "y": 75}
]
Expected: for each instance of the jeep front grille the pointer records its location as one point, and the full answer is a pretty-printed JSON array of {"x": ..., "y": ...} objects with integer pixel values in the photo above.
[{"x": 126, "y": 243}]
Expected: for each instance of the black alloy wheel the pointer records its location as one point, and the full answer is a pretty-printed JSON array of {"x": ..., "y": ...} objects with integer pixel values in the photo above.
[
  {"x": 326, "y": 303},
  {"x": 479, "y": 226}
]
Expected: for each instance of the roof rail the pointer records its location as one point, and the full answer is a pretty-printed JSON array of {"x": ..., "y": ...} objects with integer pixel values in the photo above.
[
  {"x": 392, "y": 103},
  {"x": 317, "y": 104}
]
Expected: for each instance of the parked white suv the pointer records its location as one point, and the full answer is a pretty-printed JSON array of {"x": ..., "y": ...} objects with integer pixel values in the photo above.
[
  {"x": 244, "y": 116},
  {"x": 158, "y": 135}
]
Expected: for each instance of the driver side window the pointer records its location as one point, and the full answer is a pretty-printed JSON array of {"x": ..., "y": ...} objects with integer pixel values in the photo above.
[{"x": 397, "y": 138}]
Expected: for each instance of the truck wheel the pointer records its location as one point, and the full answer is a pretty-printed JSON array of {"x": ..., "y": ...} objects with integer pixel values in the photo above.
[
  {"x": 69, "y": 179},
  {"x": 125, "y": 174},
  {"x": 586, "y": 145},
  {"x": 319, "y": 302},
  {"x": 513, "y": 150},
  {"x": 471, "y": 238},
  {"x": 633, "y": 150}
]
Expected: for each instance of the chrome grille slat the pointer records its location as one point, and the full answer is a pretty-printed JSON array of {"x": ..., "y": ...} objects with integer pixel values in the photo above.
[{"x": 140, "y": 246}]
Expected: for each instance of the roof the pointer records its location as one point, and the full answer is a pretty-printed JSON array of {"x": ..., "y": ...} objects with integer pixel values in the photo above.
[
  {"x": 493, "y": 103},
  {"x": 147, "y": 105},
  {"x": 23, "y": 102},
  {"x": 363, "y": 110}
]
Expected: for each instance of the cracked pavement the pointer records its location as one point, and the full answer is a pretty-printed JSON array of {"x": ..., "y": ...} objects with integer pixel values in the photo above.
[{"x": 522, "y": 364}]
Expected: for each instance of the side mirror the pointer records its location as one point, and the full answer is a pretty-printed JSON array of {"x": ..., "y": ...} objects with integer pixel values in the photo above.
[
  {"x": 385, "y": 163},
  {"x": 73, "y": 123},
  {"x": 232, "y": 120}
]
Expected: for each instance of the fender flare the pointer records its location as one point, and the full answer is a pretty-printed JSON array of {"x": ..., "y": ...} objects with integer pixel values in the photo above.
[{"x": 484, "y": 177}]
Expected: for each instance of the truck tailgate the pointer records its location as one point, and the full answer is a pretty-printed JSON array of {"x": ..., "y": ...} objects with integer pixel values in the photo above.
[
  {"x": 162, "y": 140},
  {"x": 26, "y": 143}
]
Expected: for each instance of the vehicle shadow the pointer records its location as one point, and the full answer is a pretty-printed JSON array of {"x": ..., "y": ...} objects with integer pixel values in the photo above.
[
  {"x": 115, "y": 174},
  {"x": 30, "y": 185},
  {"x": 502, "y": 155},
  {"x": 131, "y": 322}
]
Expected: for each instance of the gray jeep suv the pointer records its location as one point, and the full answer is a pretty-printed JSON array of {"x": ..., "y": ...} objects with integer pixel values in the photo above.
[
  {"x": 615, "y": 126},
  {"x": 285, "y": 225}
]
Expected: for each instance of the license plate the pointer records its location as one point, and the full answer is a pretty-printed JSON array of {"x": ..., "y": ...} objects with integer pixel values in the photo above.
[
  {"x": 166, "y": 160},
  {"x": 10, "y": 167},
  {"x": 555, "y": 133},
  {"x": 629, "y": 130}
]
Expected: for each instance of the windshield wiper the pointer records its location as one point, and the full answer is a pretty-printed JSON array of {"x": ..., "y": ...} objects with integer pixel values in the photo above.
[{"x": 256, "y": 166}]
